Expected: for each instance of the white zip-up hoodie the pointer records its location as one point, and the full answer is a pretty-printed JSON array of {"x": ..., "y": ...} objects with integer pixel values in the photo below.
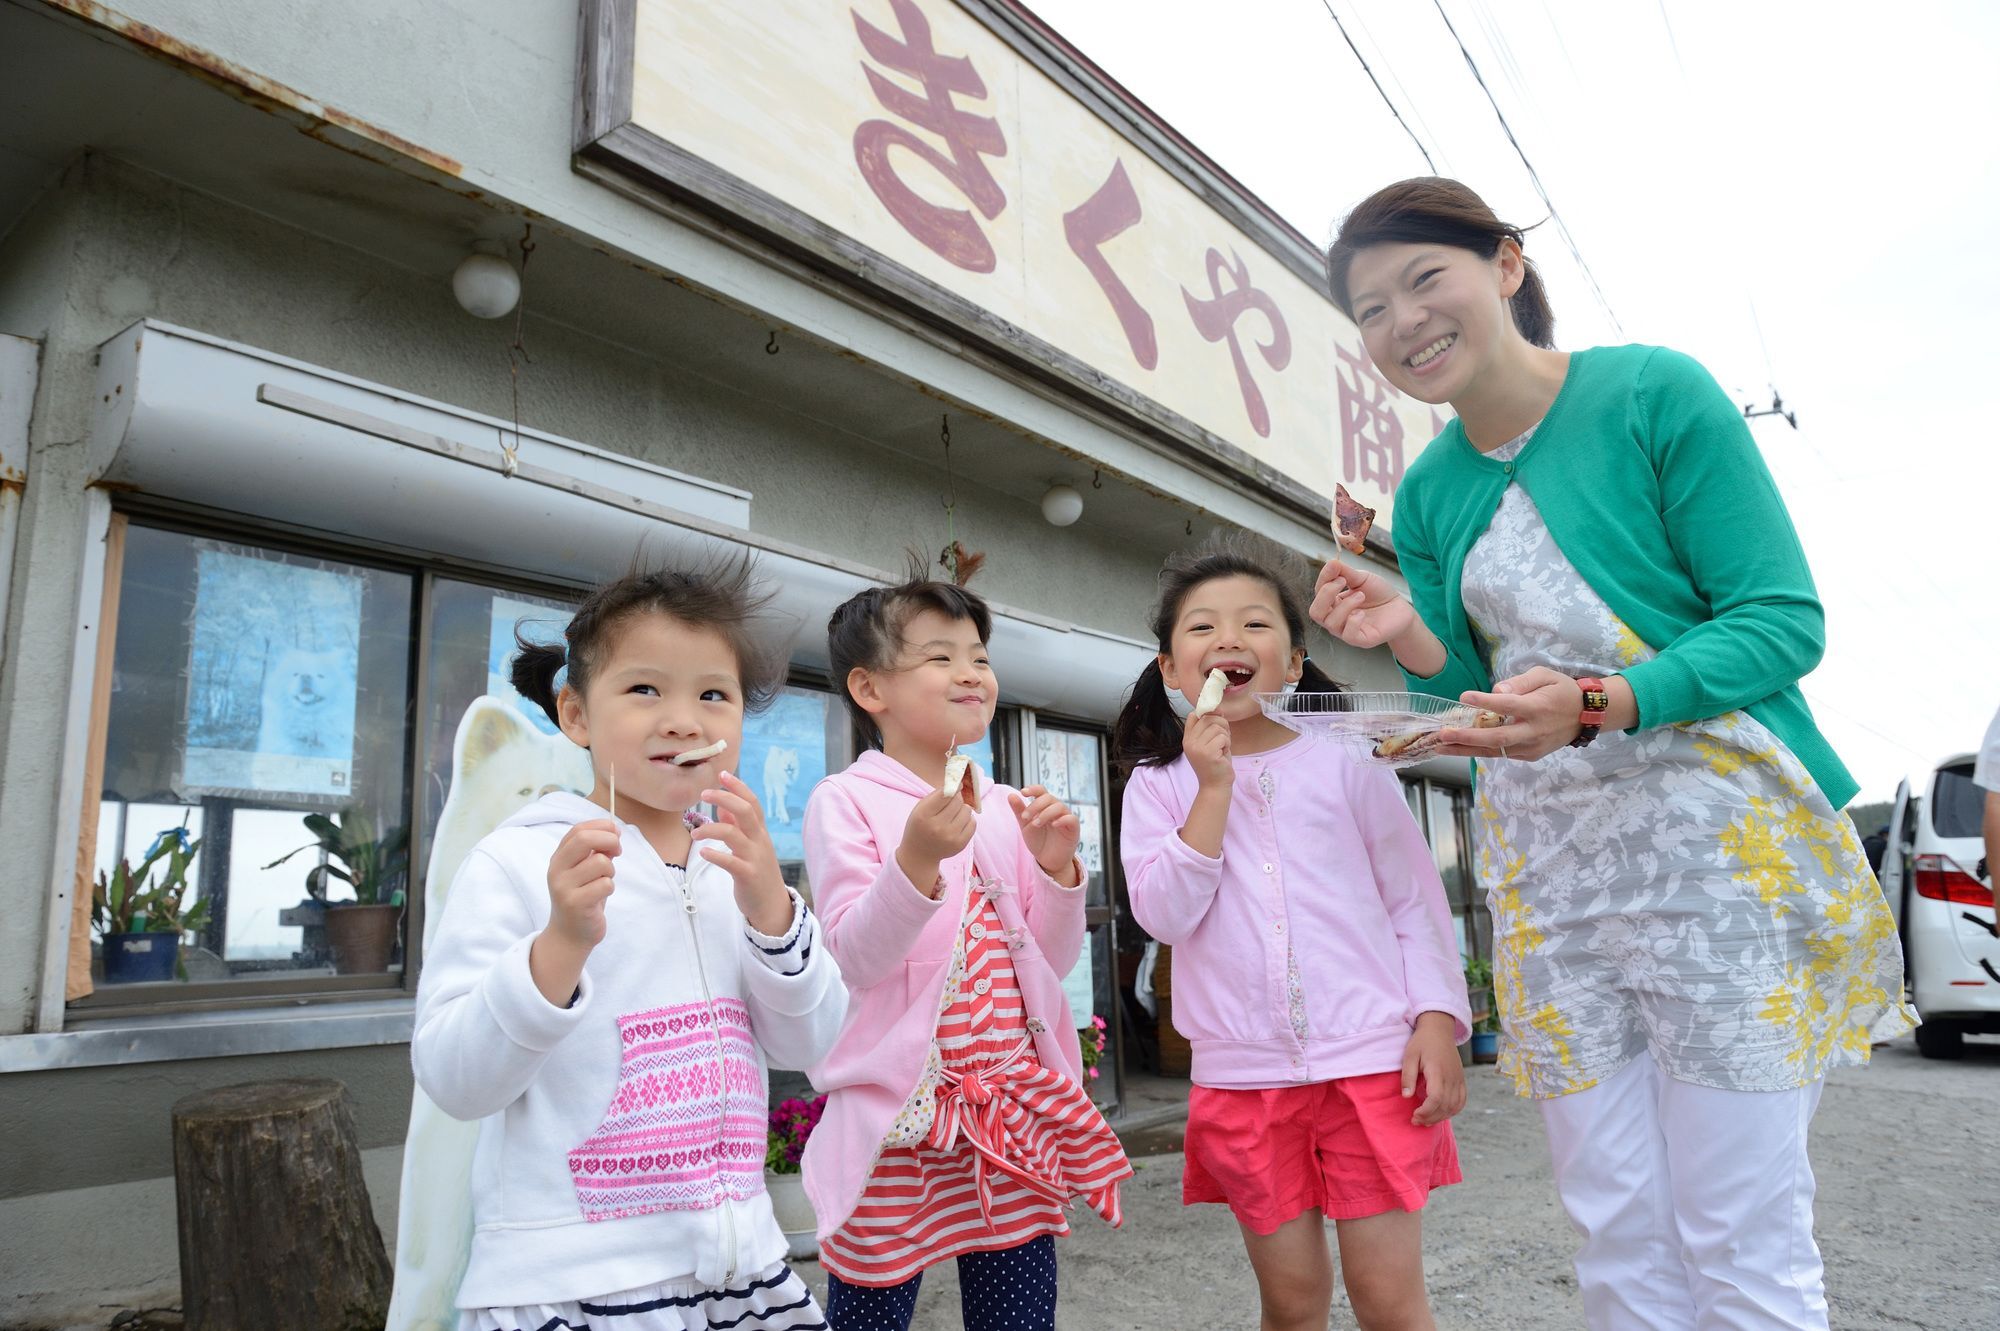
[{"x": 622, "y": 1138}]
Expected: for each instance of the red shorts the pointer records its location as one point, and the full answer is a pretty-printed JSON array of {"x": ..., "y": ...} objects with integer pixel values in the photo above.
[{"x": 1346, "y": 1148}]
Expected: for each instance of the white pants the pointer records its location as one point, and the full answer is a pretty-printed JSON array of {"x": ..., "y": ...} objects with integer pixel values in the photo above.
[{"x": 1695, "y": 1204}]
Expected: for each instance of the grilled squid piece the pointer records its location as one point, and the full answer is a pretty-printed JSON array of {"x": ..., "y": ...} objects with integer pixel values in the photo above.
[
  {"x": 1212, "y": 690},
  {"x": 957, "y": 780},
  {"x": 701, "y": 755}
]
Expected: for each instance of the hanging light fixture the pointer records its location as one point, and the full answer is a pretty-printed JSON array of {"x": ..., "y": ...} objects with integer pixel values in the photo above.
[
  {"x": 1061, "y": 505},
  {"x": 486, "y": 285}
]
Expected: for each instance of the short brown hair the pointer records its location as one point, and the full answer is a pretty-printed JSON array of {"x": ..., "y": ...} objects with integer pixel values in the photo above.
[{"x": 866, "y": 630}]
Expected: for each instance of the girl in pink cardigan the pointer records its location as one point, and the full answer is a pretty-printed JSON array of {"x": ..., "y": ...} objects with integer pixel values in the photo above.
[
  {"x": 956, "y": 1124},
  {"x": 1315, "y": 974}
]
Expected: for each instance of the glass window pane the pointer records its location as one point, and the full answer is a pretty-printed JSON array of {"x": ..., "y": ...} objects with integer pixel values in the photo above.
[
  {"x": 488, "y": 751},
  {"x": 787, "y": 750},
  {"x": 1071, "y": 765},
  {"x": 1445, "y": 846},
  {"x": 252, "y": 688}
]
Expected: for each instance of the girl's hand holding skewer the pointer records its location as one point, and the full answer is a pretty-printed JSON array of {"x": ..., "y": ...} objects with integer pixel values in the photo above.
[
  {"x": 580, "y": 882},
  {"x": 743, "y": 847}
]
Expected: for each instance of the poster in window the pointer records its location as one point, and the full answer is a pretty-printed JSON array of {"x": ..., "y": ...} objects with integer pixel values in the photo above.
[
  {"x": 538, "y": 622},
  {"x": 1083, "y": 769},
  {"x": 784, "y": 757},
  {"x": 1080, "y": 986},
  {"x": 273, "y": 674},
  {"x": 1052, "y": 766},
  {"x": 1090, "y": 843}
]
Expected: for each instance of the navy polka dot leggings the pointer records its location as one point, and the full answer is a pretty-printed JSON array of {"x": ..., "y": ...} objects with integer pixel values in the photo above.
[{"x": 1012, "y": 1289}]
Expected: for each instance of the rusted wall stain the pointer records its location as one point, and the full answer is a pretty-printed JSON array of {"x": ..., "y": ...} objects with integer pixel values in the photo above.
[{"x": 265, "y": 94}]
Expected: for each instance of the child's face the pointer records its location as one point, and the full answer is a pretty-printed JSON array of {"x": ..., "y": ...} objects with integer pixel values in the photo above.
[
  {"x": 1233, "y": 624},
  {"x": 941, "y": 690},
  {"x": 1410, "y": 298},
  {"x": 662, "y": 688}
]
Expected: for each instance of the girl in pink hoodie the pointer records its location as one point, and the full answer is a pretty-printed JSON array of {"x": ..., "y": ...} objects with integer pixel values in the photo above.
[
  {"x": 1315, "y": 974},
  {"x": 956, "y": 1124}
]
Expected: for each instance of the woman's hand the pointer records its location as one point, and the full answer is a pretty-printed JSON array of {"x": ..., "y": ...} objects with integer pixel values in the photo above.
[
  {"x": 745, "y": 850},
  {"x": 1544, "y": 708},
  {"x": 1432, "y": 1057},
  {"x": 1360, "y": 608},
  {"x": 1051, "y": 830},
  {"x": 1205, "y": 742}
]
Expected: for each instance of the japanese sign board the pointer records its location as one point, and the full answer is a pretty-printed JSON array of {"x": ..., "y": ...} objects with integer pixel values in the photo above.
[{"x": 941, "y": 151}]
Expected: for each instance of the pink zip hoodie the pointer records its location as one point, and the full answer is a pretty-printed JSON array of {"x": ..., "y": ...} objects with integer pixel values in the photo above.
[
  {"x": 894, "y": 946},
  {"x": 1322, "y": 863}
]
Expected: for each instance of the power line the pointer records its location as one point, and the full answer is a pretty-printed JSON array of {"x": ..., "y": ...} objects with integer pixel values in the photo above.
[
  {"x": 1533, "y": 175},
  {"x": 1416, "y": 109},
  {"x": 1378, "y": 86}
]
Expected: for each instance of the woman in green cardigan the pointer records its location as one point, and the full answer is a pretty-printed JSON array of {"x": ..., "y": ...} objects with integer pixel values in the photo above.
[{"x": 1687, "y": 935}]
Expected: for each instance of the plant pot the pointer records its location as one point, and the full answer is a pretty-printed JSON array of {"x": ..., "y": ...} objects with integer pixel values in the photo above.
[
  {"x": 361, "y": 938},
  {"x": 794, "y": 1213},
  {"x": 1486, "y": 1046},
  {"x": 136, "y": 958}
]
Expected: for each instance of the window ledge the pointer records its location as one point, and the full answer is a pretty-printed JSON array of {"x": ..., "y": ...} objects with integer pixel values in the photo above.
[{"x": 276, "y": 1030}]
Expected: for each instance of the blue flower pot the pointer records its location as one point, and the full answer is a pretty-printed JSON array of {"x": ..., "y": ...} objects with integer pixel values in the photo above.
[
  {"x": 1485, "y": 1046},
  {"x": 134, "y": 958}
]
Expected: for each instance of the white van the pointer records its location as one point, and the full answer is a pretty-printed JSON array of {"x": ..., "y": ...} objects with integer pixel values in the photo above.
[{"x": 1946, "y": 910}]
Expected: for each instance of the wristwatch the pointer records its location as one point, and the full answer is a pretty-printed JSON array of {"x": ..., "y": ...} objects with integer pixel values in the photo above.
[{"x": 1596, "y": 701}]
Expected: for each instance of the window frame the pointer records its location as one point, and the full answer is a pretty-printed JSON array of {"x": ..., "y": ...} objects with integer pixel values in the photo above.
[{"x": 276, "y": 988}]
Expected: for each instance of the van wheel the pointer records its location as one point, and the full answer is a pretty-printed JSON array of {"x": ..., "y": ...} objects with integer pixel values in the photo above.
[{"x": 1937, "y": 1039}]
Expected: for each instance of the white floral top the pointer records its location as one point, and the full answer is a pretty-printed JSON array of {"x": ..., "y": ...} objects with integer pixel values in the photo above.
[{"x": 1685, "y": 890}]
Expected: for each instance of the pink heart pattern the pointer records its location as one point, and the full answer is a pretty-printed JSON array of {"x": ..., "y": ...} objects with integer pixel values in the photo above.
[{"x": 686, "y": 1125}]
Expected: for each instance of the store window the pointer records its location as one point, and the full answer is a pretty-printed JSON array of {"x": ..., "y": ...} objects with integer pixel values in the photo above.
[
  {"x": 787, "y": 750},
  {"x": 258, "y": 702},
  {"x": 1071, "y": 763},
  {"x": 1444, "y": 812}
]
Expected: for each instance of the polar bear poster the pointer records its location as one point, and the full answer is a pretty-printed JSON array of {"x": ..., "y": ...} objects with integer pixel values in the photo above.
[
  {"x": 500, "y": 762},
  {"x": 781, "y": 770}
]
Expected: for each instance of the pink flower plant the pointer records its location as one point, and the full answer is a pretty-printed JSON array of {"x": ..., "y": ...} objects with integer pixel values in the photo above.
[
  {"x": 792, "y": 1122},
  {"x": 1091, "y": 1039}
]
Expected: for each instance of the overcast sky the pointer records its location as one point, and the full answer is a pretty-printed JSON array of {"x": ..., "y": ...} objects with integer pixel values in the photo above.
[{"x": 1825, "y": 171}]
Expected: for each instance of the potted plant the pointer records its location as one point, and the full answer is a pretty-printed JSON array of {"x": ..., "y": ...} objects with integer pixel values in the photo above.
[
  {"x": 141, "y": 921},
  {"x": 792, "y": 1122},
  {"x": 1485, "y": 1022},
  {"x": 360, "y": 934}
]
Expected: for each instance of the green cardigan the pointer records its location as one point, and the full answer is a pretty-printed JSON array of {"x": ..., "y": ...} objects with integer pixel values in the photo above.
[{"x": 1649, "y": 481}]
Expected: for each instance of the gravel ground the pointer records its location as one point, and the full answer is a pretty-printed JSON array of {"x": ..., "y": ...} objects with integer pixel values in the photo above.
[{"x": 1908, "y": 1157}]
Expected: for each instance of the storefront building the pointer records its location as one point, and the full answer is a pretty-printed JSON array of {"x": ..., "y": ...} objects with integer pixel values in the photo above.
[{"x": 828, "y": 283}]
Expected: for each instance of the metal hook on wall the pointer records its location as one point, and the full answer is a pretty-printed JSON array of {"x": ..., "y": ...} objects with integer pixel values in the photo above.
[
  {"x": 1096, "y": 478},
  {"x": 771, "y": 347}
]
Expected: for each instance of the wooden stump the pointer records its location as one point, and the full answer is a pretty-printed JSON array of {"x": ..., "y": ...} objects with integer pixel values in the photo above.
[{"x": 275, "y": 1226}]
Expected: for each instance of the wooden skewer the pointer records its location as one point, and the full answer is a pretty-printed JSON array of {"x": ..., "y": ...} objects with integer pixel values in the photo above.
[{"x": 614, "y": 794}]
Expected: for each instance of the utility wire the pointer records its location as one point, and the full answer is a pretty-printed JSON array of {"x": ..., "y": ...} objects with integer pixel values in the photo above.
[
  {"x": 1416, "y": 109},
  {"x": 1533, "y": 175},
  {"x": 1378, "y": 86}
]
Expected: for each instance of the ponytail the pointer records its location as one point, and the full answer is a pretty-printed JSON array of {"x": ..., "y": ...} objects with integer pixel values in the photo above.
[
  {"x": 1531, "y": 310},
  {"x": 536, "y": 665},
  {"x": 1147, "y": 732},
  {"x": 1314, "y": 680}
]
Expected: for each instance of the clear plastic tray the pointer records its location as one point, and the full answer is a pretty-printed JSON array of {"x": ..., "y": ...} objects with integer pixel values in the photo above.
[{"x": 1384, "y": 729}]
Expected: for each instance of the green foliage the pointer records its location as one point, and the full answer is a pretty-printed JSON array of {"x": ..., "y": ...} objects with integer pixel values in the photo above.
[
  {"x": 132, "y": 901},
  {"x": 374, "y": 867},
  {"x": 1479, "y": 987}
]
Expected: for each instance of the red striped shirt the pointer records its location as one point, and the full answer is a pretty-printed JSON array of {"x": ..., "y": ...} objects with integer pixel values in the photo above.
[{"x": 998, "y": 1111}]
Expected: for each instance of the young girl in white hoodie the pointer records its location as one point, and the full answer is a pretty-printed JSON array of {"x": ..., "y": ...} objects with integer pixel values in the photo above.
[{"x": 607, "y": 984}]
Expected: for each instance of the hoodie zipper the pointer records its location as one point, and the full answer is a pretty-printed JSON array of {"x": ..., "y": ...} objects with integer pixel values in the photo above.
[{"x": 721, "y": 1057}]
